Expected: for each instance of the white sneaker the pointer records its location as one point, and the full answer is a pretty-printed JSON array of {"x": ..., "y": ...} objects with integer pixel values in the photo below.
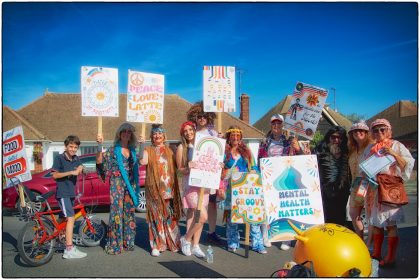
[
  {"x": 155, "y": 253},
  {"x": 267, "y": 243},
  {"x": 285, "y": 246},
  {"x": 197, "y": 251},
  {"x": 73, "y": 253},
  {"x": 185, "y": 246}
]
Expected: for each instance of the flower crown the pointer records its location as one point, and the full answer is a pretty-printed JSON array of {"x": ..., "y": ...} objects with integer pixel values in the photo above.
[{"x": 234, "y": 130}]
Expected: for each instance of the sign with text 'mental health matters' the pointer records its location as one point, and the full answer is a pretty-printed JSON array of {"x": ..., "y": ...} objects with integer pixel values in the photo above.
[
  {"x": 145, "y": 97},
  {"x": 291, "y": 192}
]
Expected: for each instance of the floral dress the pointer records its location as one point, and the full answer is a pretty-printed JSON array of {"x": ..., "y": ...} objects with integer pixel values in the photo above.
[
  {"x": 122, "y": 223},
  {"x": 164, "y": 232}
]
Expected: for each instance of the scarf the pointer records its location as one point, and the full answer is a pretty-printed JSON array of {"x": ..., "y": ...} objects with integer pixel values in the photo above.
[
  {"x": 118, "y": 154},
  {"x": 387, "y": 143}
]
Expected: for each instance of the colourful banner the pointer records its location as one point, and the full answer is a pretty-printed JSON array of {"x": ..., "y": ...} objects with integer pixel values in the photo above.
[
  {"x": 291, "y": 192},
  {"x": 247, "y": 198},
  {"x": 145, "y": 97},
  {"x": 206, "y": 166},
  {"x": 99, "y": 91},
  {"x": 15, "y": 161},
  {"x": 305, "y": 110},
  {"x": 219, "y": 89}
]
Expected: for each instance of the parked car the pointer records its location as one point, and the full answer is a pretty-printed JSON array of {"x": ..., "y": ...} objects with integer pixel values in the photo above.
[{"x": 95, "y": 191}]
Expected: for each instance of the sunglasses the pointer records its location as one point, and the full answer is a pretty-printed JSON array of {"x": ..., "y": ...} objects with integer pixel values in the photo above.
[
  {"x": 276, "y": 123},
  {"x": 126, "y": 131},
  {"x": 201, "y": 117},
  {"x": 382, "y": 130},
  {"x": 359, "y": 130}
]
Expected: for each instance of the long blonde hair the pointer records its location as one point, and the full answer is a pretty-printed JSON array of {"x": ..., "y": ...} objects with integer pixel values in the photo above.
[
  {"x": 184, "y": 143},
  {"x": 353, "y": 146},
  {"x": 133, "y": 138}
]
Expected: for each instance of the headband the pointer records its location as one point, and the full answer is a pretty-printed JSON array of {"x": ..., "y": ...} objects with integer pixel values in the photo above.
[
  {"x": 185, "y": 124},
  {"x": 234, "y": 130},
  {"x": 158, "y": 129}
]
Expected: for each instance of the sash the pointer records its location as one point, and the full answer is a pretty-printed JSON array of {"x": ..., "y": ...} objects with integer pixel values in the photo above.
[{"x": 124, "y": 174}]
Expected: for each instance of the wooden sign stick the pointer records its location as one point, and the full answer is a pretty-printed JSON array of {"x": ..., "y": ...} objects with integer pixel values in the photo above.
[
  {"x": 247, "y": 240},
  {"x": 143, "y": 131},
  {"x": 100, "y": 125},
  {"x": 21, "y": 196}
]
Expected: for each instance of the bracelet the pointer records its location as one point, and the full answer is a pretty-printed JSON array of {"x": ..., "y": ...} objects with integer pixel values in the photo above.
[{"x": 99, "y": 148}]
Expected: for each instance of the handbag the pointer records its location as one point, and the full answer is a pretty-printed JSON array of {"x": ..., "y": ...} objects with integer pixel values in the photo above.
[{"x": 391, "y": 190}]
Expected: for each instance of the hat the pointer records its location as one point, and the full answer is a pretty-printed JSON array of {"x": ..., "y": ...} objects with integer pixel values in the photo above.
[
  {"x": 359, "y": 125},
  {"x": 277, "y": 117},
  {"x": 379, "y": 122}
]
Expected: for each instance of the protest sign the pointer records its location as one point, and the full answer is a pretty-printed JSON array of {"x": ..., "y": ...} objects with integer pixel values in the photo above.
[
  {"x": 99, "y": 91},
  {"x": 145, "y": 97},
  {"x": 15, "y": 161},
  {"x": 291, "y": 192},
  {"x": 206, "y": 162},
  {"x": 305, "y": 110},
  {"x": 247, "y": 198},
  {"x": 219, "y": 89}
]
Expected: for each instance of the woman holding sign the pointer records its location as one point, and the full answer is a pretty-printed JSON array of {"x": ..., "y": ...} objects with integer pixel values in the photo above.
[
  {"x": 277, "y": 145},
  {"x": 205, "y": 124},
  {"x": 359, "y": 140},
  {"x": 121, "y": 162},
  {"x": 385, "y": 215},
  {"x": 238, "y": 157},
  {"x": 163, "y": 200},
  {"x": 184, "y": 154}
]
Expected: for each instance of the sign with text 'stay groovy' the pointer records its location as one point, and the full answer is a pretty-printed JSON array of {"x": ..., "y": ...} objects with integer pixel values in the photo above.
[{"x": 206, "y": 162}]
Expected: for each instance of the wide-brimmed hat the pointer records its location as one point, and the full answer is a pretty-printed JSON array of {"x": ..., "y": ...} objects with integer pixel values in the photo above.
[
  {"x": 359, "y": 125},
  {"x": 276, "y": 117},
  {"x": 380, "y": 122}
]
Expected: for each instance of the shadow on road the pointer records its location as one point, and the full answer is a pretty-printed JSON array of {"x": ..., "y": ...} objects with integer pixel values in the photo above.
[{"x": 191, "y": 269}]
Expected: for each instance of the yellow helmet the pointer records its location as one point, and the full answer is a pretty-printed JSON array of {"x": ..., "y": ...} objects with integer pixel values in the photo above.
[{"x": 333, "y": 249}]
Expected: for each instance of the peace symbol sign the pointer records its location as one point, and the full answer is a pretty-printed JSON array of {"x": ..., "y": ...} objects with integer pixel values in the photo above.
[{"x": 137, "y": 79}]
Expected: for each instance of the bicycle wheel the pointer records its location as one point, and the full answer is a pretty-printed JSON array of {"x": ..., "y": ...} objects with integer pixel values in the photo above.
[
  {"x": 92, "y": 239},
  {"x": 30, "y": 250}
]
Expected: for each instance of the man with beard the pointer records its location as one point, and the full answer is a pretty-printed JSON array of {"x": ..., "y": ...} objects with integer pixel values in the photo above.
[{"x": 332, "y": 153}]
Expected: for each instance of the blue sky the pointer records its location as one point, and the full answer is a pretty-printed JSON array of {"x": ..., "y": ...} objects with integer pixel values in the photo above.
[{"x": 366, "y": 51}]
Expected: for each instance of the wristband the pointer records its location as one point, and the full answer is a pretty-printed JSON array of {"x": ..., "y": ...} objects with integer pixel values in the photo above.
[{"x": 99, "y": 148}]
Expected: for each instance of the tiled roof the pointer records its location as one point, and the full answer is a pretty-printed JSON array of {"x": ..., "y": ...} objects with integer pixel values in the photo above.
[
  {"x": 58, "y": 115},
  {"x": 12, "y": 119}
]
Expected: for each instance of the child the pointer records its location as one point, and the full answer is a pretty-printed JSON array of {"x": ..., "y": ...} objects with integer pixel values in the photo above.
[{"x": 66, "y": 168}]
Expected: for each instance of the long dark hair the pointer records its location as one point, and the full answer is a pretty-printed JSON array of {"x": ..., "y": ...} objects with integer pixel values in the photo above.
[{"x": 323, "y": 146}]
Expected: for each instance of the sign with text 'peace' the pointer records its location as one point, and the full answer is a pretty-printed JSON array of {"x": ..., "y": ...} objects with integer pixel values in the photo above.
[
  {"x": 145, "y": 97},
  {"x": 15, "y": 162}
]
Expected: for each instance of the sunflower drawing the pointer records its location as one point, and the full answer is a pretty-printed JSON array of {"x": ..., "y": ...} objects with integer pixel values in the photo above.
[{"x": 312, "y": 99}]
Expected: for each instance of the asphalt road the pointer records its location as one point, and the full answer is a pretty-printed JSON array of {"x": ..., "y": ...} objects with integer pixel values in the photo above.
[{"x": 139, "y": 263}]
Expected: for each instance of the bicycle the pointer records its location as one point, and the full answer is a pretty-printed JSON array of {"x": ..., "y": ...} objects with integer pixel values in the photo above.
[{"x": 37, "y": 239}]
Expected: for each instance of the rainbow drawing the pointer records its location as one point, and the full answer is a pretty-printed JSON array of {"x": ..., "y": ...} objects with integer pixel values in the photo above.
[{"x": 208, "y": 140}]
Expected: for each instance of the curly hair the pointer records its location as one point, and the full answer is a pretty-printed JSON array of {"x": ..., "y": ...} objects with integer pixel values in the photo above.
[{"x": 197, "y": 109}]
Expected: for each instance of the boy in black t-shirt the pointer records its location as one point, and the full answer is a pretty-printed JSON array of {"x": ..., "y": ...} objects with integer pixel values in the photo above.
[{"x": 66, "y": 168}]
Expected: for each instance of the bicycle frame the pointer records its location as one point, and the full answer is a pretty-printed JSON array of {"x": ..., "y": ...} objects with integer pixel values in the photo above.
[{"x": 41, "y": 217}]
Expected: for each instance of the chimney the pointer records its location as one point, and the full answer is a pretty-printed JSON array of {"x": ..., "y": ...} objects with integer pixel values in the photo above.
[{"x": 244, "y": 100}]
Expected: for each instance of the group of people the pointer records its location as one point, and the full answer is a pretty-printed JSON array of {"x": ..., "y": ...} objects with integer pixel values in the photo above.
[
  {"x": 168, "y": 192},
  {"x": 342, "y": 180}
]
